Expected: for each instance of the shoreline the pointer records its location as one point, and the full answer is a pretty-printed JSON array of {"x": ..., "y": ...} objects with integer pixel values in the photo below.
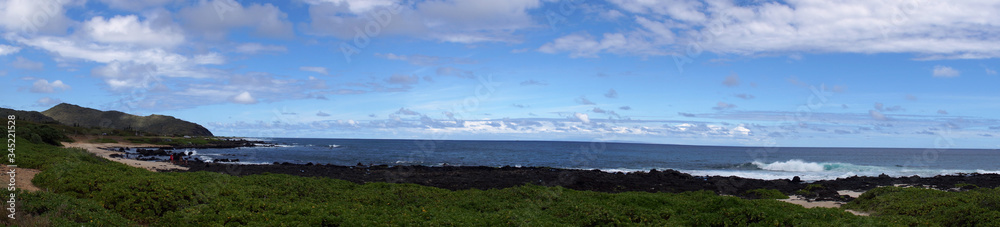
[
  {"x": 483, "y": 178},
  {"x": 101, "y": 150},
  {"x": 822, "y": 193},
  {"x": 113, "y": 151}
]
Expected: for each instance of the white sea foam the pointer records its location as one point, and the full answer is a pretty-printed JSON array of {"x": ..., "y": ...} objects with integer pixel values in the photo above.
[
  {"x": 620, "y": 170},
  {"x": 793, "y": 165},
  {"x": 988, "y": 171},
  {"x": 272, "y": 145},
  {"x": 253, "y": 163},
  {"x": 257, "y": 139},
  {"x": 807, "y": 171},
  {"x": 796, "y": 165}
]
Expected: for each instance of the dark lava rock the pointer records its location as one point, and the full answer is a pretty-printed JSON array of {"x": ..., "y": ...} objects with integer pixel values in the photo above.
[{"x": 481, "y": 177}]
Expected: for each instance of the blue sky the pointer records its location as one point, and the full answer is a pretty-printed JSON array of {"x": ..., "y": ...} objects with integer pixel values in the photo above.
[{"x": 857, "y": 73}]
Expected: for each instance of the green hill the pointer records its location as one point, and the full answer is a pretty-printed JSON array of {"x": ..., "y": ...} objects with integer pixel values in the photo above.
[
  {"x": 69, "y": 114},
  {"x": 32, "y": 116}
]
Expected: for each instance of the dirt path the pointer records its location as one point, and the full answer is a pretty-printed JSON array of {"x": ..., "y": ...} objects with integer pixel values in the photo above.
[
  {"x": 22, "y": 177},
  {"x": 96, "y": 149}
]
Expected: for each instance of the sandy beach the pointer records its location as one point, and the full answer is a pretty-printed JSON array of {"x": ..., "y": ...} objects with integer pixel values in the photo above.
[
  {"x": 96, "y": 148},
  {"x": 798, "y": 200}
]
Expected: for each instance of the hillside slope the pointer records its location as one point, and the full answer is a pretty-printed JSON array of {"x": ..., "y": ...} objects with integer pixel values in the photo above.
[
  {"x": 32, "y": 116},
  {"x": 70, "y": 114}
]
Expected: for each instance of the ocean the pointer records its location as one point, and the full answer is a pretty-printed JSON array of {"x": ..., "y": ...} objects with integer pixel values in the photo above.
[{"x": 749, "y": 162}]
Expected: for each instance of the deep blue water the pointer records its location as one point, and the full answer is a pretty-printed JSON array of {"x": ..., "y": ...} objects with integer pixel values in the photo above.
[{"x": 761, "y": 163}]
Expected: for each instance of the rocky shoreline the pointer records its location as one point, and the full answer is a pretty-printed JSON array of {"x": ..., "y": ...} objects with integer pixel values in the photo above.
[
  {"x": 172, "y": 152},
  {"x": 483, "y": 178}
]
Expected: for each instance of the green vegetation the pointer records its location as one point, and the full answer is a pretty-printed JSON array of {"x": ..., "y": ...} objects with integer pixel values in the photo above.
[
  {"x": 74, "y": 115},
  {"x": 810, "y": 189},
  {"x": 32, "y": 116},
  {"x": 765, "y": 194},
  {"x": 814, "y": 187},
  {"x": 80, "y": 188},
  {"x": 40, "y": 133},
  {"x": 977, "y": 207}
]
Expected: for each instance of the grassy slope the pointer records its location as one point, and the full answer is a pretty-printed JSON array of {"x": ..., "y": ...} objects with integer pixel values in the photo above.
[
  {"x": 90, "y": 190},
  {"x": 70, "y": 114}
]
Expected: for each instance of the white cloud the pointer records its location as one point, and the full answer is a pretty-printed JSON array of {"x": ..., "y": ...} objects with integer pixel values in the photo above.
[
  {"x": 875, "y": 114},
  {"x": 611, "y": 14},
  {"x": 405, "y": 111},
  {"x": 127, "y": 66},
  {"x": 244, "y": 98},
  {"x": 321, "y": 114},
  {"x": 5, "y": 50},
  {"x": 129, "y": 30},
  {"x": 585, "y": 46},
  {"x": 124, "y": 75},
  {"x": 215, "y": 18},
  {"x": 988, "y": 71},
  {"x": 24, "y": 63},
  {"x": 46, "y": 101},
  {"x": 684, "y": 10},
  {"x": 356, "y": 6},
  {"x": 253, "y": 48},
  {"x": 315, "y": 69},
  {"x": 927, "y": 29},
  {"x": 72, "y": 48},
  {"x": 34, "y": 16},
  {"x": 945, "y": 71},
  {"x": 459, "y": 21},
  {"x": 259, "y": 87},
  {"x": 43, "y": 86},
  {"x": 582, "y": 117}
]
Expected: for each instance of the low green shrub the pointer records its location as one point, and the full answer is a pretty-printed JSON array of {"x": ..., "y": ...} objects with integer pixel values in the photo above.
[
  {"x": 51, "y": 209},
  {"x": 976, "y": 207},
  {"x": 765, "y": 194}
]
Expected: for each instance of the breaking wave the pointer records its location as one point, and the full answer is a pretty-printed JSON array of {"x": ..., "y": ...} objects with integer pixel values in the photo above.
[{"x": 796, "y": 165}]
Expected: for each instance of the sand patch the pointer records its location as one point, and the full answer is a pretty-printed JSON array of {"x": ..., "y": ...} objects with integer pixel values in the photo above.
[
  {"x": 22, "y": 177},
  {"x": 96, "y": 148},
  {"x": 852, "y": 194},
  {"x": 798, "y": 200}
]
